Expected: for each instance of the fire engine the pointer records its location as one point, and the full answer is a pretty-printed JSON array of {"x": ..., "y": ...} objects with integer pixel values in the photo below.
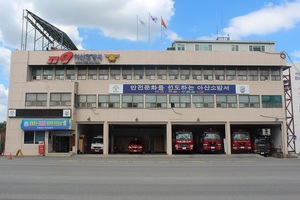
[
  {"x": 211, "y": 141},
  {"x": 241, "y": 141},
  {"x": 183, "y": 141}
]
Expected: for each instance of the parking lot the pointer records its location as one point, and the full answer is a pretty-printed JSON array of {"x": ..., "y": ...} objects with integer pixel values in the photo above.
[{"x": 150, "y": 177}]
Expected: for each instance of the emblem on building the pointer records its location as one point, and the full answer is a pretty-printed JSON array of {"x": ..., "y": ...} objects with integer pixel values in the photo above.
[{"x": 112, "y": 57}]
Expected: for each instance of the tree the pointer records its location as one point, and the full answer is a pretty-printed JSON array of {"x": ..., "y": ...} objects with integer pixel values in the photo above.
[{"x": 2, "y": 125}]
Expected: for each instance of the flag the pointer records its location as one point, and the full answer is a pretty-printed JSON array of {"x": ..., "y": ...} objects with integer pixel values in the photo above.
[
  {"x": 163, "y": 23},
  {"x": 154, "y": 18},
  {"x": 142, "y": 22}
]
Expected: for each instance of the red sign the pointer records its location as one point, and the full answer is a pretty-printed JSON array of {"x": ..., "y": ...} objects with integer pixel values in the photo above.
[{"x": 65, "y": 58}]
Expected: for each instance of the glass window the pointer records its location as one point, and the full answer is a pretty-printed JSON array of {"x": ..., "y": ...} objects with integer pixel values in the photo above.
[
  {"x": 249, "y": 101},
  {"x": 60, "y": 99},
  {"x": 70, "y": 73},
  {"x": 103, "y": 73},
  {"x": 257, "y": 48},
  {"x": 81, "y": 73},
  {"x": 156, "y": 101},
  {"x": 132, "y": 101},
  {"x": 184, "y": 73},
  {"x": 197, "y": 73},
  {"x": 207, "y": 73},
  {"x": 86, "y": 101},
  {"x": 173, "y": 72},
  {"x": 59, "y": 73},
  {"x": 34, "y": 137},
  {"x": 219, "y": 73},
  {"x": 203, "y": 101},
  {"x": 264, "y": 73},
  {"x": 109, "y": 101},
  {"x": 92, "y": 73},
  {"x": 127, "y": 73},
  {"x": 271, "y": 101},
  {"x": 234, "y": 47},
  {"x": 253, "y": 74},
  {"x": 115, "y": 73},
  {"x": 275, "y": 74},
  {"x": 150, "y": 72},
  {"x": 36, "y": 73},
  {"x": 203, "y": 47},
  {"x": 47, "y": 73},
  {"x": 180, "y": 101},
  {"x": 36, "y": 99},
  {"x": 162, "y": 73},
  {"x": 230, "y": 74},
  {"x": 242, "y": 73},
  {"x": 138, "y": 73},
  {"x": 180, "y": 47},
  {"x": 226, "y": 101}
]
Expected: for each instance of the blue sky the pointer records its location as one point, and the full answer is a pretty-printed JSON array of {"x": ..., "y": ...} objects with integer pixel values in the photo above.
[{"x": 112, "y": 25}]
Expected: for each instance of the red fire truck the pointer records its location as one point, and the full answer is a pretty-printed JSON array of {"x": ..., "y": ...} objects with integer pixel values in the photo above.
[
  {"x": 135, "y": 146},
  {"x": 241, "y": 141},
  {"x": 211, "y": 141},
  {"x": 183, "y": 141}
]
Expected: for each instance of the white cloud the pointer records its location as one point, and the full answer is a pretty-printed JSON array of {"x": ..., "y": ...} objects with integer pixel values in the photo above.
[
  {"x": 268, "y": 20},
  {"x": 4, "y": 62},
  {"x": 3, "y": 103}
]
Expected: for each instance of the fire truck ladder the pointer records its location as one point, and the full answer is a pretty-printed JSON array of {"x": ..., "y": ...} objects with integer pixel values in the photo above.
[{"x": 289, "y": 112}]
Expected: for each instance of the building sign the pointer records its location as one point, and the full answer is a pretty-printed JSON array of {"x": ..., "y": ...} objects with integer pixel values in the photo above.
[
  {"x": 87, "y": 59},
  {"x": 178, "y": 89},
  {"x": 43, "y": 125},
  {"x": 64, "y": 58}
]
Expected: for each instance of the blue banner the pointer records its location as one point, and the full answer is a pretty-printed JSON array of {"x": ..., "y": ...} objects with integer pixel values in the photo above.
[
  {"x": 179, "y": 89},
  {"x": 44, "y": 125}
]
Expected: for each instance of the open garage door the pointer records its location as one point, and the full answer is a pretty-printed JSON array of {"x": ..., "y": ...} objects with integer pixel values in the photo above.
[
  {"x": 86, "y": 133},
  {"x": 152, "y": 137}
]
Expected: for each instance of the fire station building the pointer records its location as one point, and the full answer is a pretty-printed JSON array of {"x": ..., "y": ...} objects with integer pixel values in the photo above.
[{"x": 66, "y": 98}]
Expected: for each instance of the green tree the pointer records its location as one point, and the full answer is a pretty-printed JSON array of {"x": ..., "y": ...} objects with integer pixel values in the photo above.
[{"x": 2, "y": 125}]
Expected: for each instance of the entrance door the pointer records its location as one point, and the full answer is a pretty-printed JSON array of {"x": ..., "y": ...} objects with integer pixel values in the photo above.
[{"x": 61, "y": 143}]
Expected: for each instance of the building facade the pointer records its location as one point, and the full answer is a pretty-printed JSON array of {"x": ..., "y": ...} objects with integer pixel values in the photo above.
[{"x": 65, "y": 98}]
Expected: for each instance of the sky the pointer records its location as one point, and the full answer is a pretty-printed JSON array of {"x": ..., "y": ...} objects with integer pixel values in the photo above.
[{"x": 128, "y": 25}]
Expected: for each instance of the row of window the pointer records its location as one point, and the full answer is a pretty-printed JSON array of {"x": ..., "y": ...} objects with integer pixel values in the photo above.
[
  {"x": 156, "y": 101},
  {"x": 156, "y": 73},
  {"x": 209, "y": 47}
]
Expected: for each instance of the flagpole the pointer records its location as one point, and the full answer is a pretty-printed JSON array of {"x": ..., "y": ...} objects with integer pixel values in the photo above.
[
  {"x": 160, "y": 32},
  {"x": 149, "y": 27}
]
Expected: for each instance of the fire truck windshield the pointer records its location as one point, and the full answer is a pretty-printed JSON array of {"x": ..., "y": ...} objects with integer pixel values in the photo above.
[{"x": 185, "y": 136}]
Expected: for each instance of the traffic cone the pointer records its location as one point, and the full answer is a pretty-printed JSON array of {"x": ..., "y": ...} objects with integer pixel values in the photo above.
[{"x": 9, "y": 157}]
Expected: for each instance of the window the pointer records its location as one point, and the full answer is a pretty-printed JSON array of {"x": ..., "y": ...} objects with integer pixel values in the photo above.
[
  {"x": 180, "y": 101},
  {"x": 234, "y": 47},
  {"x": 70, "y": 73},
  {"x": 36, "y": 99},
  {"x": 203, "y": 101},
  {"x": 86, "y": 101},
  {"x": 264, "y": 74},
  {"x": 150, "y": 72},
  {"x": 173, "y": 73},
  {"x": 115, "y": 73},
  {"x": 230, "y": 74},
  {"x": 36, "y": 73},
  {"x": 132, "y": 101},
  {"x": 271, "y": 101},
  {"x": 81, "y": 73},
  {"x": 60, "y": 99},
  {"x": 47, "y": 73},
  {"x": 257, "y": 48},
  {"x": 275, "y": 75},
  {"x": 59, "y": 73},
  {"x": 253, "y": 74},
  {"x": 203, "y": 47},
  {"x": 127, "y": 73},
  {"x": 92, "y": 71},
  {"x": 156, "y": 101},
  {"x": 207, "y": 73},
  {"x": 109, "y": 101},
  {"x": 226, "y": 101},
  {"x": 197, "y": 73},
  {"x": 138, "y": 73},
  {"x": 184, "y": 73},
  {"x": 180, "y": 47},
  {"x": 103, "y": 73},
  {"x": 162, "y": 73},
  {"x": 249, "y": 101},
  {"x": 34, "y": 137},
  {"x": 219, "y": 73},
  {"x": 242, "y": 73}
]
